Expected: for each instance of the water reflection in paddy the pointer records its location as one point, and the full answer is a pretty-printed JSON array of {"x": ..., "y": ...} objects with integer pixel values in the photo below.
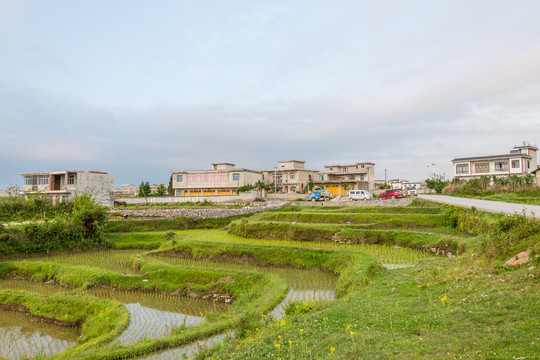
[{"x": 24, "y": 336}]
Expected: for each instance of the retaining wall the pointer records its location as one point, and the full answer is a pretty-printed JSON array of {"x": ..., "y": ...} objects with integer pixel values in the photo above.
[{"x": 201, "y": 213}]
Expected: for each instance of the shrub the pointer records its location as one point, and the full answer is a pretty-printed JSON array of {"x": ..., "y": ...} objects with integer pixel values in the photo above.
[{"x": 512, "y": 234}]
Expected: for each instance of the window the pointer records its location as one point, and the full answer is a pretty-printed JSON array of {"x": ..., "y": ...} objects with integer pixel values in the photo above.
[
  {"x": 362, "y": 177},
  {"x": 362, "y": 166},
  {"x": 321, "y": 177},
  {"x": 30, "y": 180},
  {"x": 331, "y": 169},
  {"x": 236, "y": 176},
  {"x": 263, "y": 176},
  {"x": 291, "y": 176},
  {"x": 43, "y": 179},
  {"x": 501, "y": 166},
  {"x": 462, "y": 168},
  {"x": 71, "y": 179},
  {"x": 481, "y": 168},
  {"x": 515, "y": 164},
  {"x": 351, "y": 177},
  {"x": 179, "y": 178},
  {"x": 345, "y": 169},
  {"x": 528, "y": 164}
]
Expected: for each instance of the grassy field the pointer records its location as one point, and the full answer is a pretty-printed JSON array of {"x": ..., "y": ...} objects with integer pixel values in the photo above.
[{"x": 459, "y": 300}]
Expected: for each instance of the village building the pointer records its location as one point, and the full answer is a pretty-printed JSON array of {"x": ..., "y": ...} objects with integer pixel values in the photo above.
[
  {"x": 63, "y": 185},
  {"x": 520, "y": 160},
  {"x": 289, "y": 176},
  {"x": 126, "y": 190},
  {"x": 222, "y": 179},
  {"x": 340, "y": 178}
]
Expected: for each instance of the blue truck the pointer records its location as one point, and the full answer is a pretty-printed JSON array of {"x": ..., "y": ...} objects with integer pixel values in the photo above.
[{"x": 319, "y": 194}]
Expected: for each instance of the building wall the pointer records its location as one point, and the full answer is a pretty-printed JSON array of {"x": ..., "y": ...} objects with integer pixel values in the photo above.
[
  {"x": 218, "y": 182},
  {"x": 101, "y": 186},
  {"x": 509, "y": 170}
]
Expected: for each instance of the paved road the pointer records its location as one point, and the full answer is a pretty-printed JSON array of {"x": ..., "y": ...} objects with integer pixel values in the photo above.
[{"x": 486, "y": 205}]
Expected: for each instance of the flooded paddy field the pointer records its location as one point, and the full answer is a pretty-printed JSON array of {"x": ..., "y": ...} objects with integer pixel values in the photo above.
[
  {"x": 389, "y": 256},
  {"x": 155, "y": 314},
  {"x": 114, "y": 260},
  {"x": 23, "y": 336},
  {"x": 299, "y": 279}
]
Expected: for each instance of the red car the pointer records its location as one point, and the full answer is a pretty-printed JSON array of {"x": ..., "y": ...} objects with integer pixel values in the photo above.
[{"x": 391, "y": 194}]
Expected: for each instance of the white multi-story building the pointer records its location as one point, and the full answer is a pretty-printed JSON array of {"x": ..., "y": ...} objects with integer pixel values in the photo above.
[
  {"x": 289, "y": 176},
  {"x": 63, "y": 185},
  {"x": 339, "y": 178},
  {"x": 520, "y": 160}
]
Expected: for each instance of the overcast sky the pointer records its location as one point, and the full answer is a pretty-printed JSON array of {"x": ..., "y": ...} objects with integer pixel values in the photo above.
[{"x": 141, "y": 88}]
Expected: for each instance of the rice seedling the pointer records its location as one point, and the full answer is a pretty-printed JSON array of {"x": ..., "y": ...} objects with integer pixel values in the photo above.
[{"x": 22, "y": 336}]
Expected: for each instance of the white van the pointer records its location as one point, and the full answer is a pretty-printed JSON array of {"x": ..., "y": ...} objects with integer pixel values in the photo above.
[{"x": 359, "y": 195}]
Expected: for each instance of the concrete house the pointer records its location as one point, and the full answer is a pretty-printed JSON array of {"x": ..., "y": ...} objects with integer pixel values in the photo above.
[
  {"x": 357, "y": 176},
  {"x": 520, "y": 160},
  {"x": 289, "y": 176},
  {"x": 222, "y": 179},
  {"x": 63, "y": 185}
]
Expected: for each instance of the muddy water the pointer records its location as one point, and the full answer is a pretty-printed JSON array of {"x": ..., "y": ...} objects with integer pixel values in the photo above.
[{"x": 23, "y": 336}]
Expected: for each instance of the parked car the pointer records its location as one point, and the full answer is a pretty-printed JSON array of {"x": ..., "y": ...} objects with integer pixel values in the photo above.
[
  {"x": 393, "y": 194},
  {"x": 360, "y": 195}
]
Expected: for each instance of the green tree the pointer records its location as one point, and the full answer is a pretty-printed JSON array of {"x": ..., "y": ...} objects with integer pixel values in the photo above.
[
  {"x": 260, "y": 186},
  {"x": 88, "y": 214},
  {"x": 170, "y": 190},
  {"x": 144, "y": 189},
  {"x": 161, "y": 190},
  {"x": 310, "y": 185},
  {"x": 436, "y": 183}
]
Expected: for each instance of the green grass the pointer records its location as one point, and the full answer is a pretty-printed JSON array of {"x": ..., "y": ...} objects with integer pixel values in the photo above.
[
  {"x": 177, "y": 223},
  {"x": 439, "y": 309}
]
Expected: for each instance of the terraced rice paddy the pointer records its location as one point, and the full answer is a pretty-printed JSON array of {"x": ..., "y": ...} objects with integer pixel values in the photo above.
[
  {"x": 158, "y": 314},
  {"x": 22, "y": 336}
]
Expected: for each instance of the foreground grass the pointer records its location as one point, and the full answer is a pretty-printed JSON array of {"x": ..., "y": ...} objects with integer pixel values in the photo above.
[{"x": 451, "y": 308}]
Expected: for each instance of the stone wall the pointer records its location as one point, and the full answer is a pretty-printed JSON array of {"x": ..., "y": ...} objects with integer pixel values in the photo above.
[
  {"x": 347, "y": 202},
  {"x": 202, "y": 213},
  {"x": 287, "y": 196},
  {"x": 241, "y": 198}
]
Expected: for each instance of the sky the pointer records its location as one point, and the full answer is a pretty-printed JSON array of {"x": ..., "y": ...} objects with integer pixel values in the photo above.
[{"x": 142, "y": 88}]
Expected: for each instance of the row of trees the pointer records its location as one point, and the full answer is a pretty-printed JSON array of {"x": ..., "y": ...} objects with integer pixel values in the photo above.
[{"x": 145, "y": 190}]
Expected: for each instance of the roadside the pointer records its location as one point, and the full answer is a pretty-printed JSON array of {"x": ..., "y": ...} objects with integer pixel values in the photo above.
[{"x": 486, "y": 205}]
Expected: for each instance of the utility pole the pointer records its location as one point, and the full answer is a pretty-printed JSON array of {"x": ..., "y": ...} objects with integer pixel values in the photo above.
[{"x": 385, "y": 181}]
